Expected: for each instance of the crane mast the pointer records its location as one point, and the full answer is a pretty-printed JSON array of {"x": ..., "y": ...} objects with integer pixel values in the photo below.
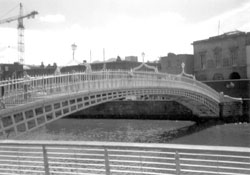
[
  {"x": 20, "y": 44},
  {"x": 20, "y": 28}
]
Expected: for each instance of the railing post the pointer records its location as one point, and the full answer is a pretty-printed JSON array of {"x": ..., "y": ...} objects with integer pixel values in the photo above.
[
  {"x": 45, "y": 160},
  {"x": 177, "y": 163},
  {"x": 107, "y": 167}
]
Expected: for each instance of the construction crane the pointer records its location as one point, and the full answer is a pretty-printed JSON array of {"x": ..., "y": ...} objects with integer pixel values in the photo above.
[{"x": 20, "y": 28}]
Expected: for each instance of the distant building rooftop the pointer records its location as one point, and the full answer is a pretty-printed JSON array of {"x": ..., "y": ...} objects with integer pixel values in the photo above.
[{"x": 223, "y": 36}]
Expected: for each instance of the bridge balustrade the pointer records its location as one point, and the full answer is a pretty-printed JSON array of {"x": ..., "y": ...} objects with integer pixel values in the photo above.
[
  {"x": 23, "y": 91},
  {"x": 92, "y": 158}
]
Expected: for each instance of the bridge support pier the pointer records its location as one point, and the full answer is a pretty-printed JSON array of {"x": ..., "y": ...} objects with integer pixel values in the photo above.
[
  {"x": 235, "y": 111},
  {"x": 246, "y": 110}
]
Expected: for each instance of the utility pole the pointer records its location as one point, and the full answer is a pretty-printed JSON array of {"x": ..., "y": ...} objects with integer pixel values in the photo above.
[{"x": 219, "y": 28}]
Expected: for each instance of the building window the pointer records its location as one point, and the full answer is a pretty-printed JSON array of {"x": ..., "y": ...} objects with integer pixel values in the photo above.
[
  {"x": 217, "y": 57},
  {"x": 201, "y": 77},
  {"x": 210, "y": 63},
  {"x": 203, "y": 60},
  {"x": 234, "y": 55},
  {"x": 6, "y": 68},
  {"x": 225, "y": 62},
  {"x": 218, "y": 76}
]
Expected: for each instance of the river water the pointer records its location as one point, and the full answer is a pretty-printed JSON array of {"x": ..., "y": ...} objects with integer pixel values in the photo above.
[
  {"x": 234, "y": 134},
  {"x": 154, "y": 131}
]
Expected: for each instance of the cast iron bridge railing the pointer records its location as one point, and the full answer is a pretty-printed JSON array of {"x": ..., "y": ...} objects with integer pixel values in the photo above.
[
  {"x": 107, "y": 158},
  {"x": 30, "y": 89}
]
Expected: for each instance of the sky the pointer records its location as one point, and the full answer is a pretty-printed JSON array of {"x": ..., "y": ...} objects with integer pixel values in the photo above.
[{"x": 120, "y": 27}]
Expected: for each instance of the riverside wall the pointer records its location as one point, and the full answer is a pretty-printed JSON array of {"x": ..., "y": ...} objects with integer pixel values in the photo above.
[{"x": 238, "y": 89}]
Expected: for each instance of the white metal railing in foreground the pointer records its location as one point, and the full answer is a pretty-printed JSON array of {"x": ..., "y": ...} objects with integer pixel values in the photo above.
[{"x": 94, "y": 158}]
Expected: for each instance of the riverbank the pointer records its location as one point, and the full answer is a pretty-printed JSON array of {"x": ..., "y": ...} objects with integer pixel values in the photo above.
[{"x": 228, "y": 134}]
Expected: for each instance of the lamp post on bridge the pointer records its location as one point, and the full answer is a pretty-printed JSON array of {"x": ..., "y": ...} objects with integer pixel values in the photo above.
[
  {"x": 142, "y": 55},
  {"x": 183, "y": 67},
  {"x": 73, "y": 46}
]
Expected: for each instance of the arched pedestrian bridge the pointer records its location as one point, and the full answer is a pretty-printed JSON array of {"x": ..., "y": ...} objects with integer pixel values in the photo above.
[{"x": 31, "y": 102}]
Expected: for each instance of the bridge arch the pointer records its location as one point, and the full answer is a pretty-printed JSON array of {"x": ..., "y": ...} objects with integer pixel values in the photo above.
[
  {"x": 34, "y": 115},
  {"x": 54, "y": 97},
  {"x": 234, "y": 75}
]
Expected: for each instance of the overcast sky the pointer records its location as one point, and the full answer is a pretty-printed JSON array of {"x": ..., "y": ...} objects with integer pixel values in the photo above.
[{"x": 122, "y": 27}]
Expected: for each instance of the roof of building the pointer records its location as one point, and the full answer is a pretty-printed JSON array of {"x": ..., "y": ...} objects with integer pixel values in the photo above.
[
  {"x": 171, "y": 55},
  {"x": 230, "y": 34}
]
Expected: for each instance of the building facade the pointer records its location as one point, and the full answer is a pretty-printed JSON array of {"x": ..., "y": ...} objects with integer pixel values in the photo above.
[
  {"x": 8, "y": 71},
  {"x": 172, "y": 63},
  {"x": 222, "y": 57},
  {"x": 131, "y": 58}
]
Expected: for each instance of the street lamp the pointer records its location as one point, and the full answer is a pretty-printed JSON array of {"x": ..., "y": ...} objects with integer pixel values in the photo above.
[
  {"x": 73, "y": 46},
  {"x": 143, "y": 55}
]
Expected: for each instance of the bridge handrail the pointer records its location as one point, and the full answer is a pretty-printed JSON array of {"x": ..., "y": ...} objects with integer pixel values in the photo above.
[
  {"x": 184, "y": 81},
  {"x": 172, "y": 76},
  {"x": 22, "y": 87},
  {"x": 78, "y": 157}
]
